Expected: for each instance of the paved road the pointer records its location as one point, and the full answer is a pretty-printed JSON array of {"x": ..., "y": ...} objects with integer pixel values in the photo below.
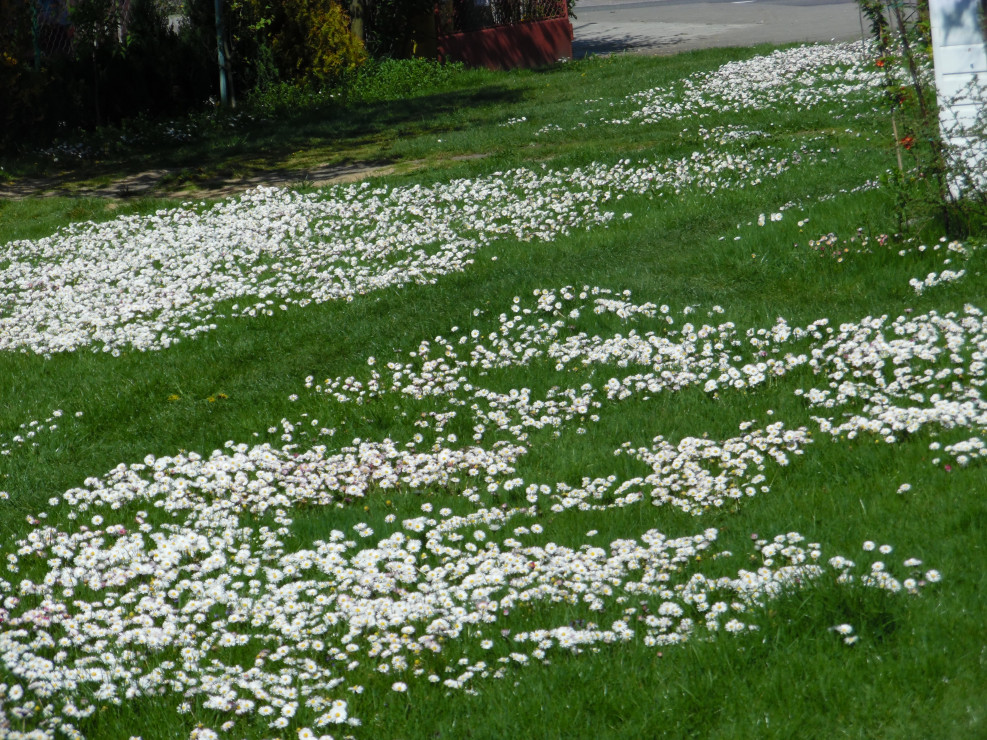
[{"x": 670, "y": 26}]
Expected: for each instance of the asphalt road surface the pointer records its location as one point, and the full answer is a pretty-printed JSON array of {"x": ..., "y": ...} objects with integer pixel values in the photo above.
[{"x": 671, "y": 26}]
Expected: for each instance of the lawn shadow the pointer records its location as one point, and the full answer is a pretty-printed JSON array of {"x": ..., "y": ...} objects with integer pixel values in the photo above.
[{"x": 342, "y": 143}]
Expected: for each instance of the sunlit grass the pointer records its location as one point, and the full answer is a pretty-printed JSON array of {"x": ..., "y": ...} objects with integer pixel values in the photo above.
[{"x": 914, "y": 668}]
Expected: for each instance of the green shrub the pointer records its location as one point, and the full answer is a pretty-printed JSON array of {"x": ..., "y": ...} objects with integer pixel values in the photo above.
[
  {"x": 286, "y": 100},
  {"x": 392, "y": 79},
  {"x": 295, "y": 41},
  {"x": 313, "y": 42}
]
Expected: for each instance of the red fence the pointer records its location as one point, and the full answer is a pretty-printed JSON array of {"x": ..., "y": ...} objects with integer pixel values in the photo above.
[{"x": 503, "y": 34}]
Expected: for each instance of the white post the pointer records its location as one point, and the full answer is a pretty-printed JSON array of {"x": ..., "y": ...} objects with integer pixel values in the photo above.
[{"x": 959, "y": 54}]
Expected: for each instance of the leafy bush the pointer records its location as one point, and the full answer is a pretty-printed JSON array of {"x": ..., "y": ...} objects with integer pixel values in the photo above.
[
  {"x": 295, "y": 41},
  {"x": 313, "y": 42},
  {"x": 392, "y": 79},
  {"x": 286, "y": 100}
]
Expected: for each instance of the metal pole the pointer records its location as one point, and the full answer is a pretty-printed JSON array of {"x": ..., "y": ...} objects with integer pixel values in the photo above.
[
  {"x": 863, "y": 35},
  {"x": 224, "y": 93}
]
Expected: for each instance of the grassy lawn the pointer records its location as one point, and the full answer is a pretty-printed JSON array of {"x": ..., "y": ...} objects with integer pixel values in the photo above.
[
  {"x": 619, "y": 410},
  {"x": 435, "y": 122}
]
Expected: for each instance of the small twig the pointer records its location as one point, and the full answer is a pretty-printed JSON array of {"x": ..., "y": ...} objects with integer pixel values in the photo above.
[{"x": 897, "y": 142}]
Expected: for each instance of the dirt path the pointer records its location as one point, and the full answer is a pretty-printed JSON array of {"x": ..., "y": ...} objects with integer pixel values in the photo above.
[
  {"x": 162, "y": 183},
  {"x": 166, "y": 183}
]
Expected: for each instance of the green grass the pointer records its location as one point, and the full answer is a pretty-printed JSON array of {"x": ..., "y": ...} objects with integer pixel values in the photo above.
[
  {"x": 918, "y": 670},
  {"x": 389, "y": 117}
]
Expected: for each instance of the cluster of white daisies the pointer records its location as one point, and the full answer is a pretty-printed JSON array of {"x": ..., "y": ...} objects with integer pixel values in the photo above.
[
  {"x": 145, "y": 283},
  {"x": 191, "y": 581},
  {"x": 947, "y": 275},
  {"x": 28, "y": 434},
  {"x": 186, "y": 576},
  {"x": 800, "y": 79}
]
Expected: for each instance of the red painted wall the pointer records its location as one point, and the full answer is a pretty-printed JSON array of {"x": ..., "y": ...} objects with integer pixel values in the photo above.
[{"x": 530, "y": 44}]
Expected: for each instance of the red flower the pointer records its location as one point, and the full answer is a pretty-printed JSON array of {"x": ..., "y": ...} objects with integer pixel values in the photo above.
[
  {"x": 879, "y": 62},
  {"x": 908, "y": 142}
]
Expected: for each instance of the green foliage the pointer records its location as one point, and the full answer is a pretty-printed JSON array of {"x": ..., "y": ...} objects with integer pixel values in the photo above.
[
  {"x": 103, "y": 77},
  {"x": 374, "y": 81},
  {"x": 313, "y": 42},
  {"x": 394, "y": 79},
  {"x": 95, "y": 23},
  {"x": 154, "y": 71},
  {"x": 905, "y": 62},
  {"x": 297, "y": 42},
  {"x": 287, "y": 100}
]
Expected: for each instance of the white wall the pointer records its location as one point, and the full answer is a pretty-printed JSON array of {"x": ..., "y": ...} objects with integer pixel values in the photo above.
[{"x": 960, "y": 57}]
